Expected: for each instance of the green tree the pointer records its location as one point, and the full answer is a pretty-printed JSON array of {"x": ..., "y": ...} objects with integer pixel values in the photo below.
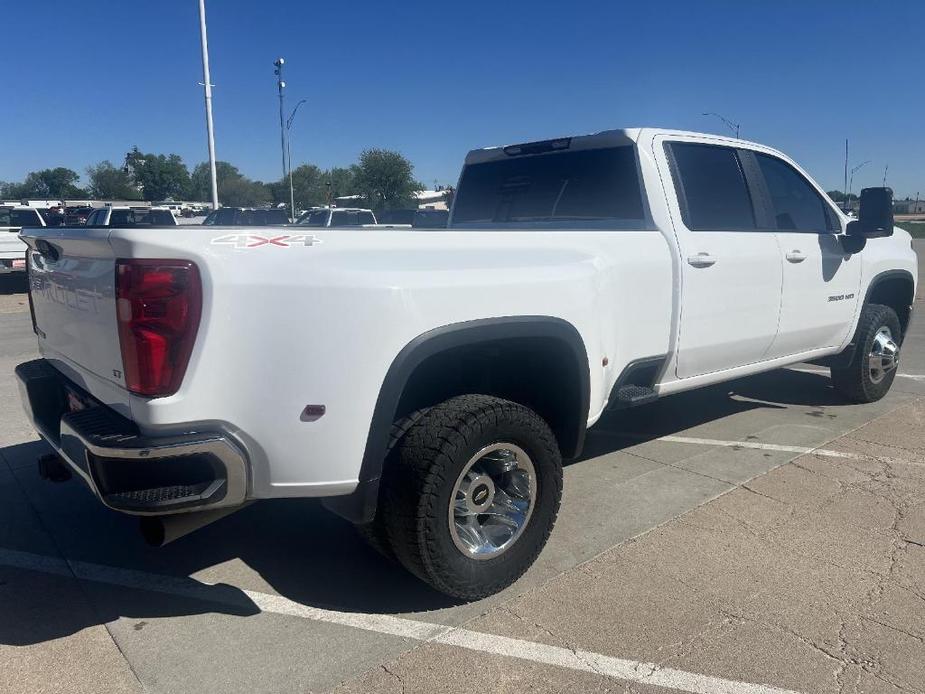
[
  {"x": 342, "y": 181},
  {"x": 386, "y": 179},
  {"x": 201, "y": 180},
  {"x": 308, "y": 187},
  {"x": 242, "y": 192},
  {"x": 10, "y": 190},
  {"x": 158, "y": 176},
  {"x": 839, "y": 196},
  {"x": 57, "y": 183},
  {"x": 107, "y": 182}
]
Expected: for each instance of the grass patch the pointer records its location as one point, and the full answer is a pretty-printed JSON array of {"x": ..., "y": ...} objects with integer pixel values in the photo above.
[{"x": 917, "y": 229}]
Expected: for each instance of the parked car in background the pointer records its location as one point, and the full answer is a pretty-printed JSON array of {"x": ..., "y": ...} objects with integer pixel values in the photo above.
[
  {"x": 12, "y": 249},
  {"x": 338, "y": 217},
  {"x": 76, "y": 216},
  {"x": 430, "y": 219},
  {"x": 131, "y": 217},
  {"x": 246, "y": 216}
]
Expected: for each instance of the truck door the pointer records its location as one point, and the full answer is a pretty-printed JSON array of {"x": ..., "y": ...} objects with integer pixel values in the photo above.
[
  {"x": 821, "y": 281},
  {"x": 731, "y": 272}
]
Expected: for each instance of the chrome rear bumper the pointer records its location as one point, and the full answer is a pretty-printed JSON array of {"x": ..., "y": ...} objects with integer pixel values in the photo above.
[{"x": 126, "y": 470}]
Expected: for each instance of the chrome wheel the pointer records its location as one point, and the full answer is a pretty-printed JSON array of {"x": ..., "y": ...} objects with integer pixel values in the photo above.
[
  {"x": 884, "y": 355},
  {"x": 492, "y": 501}
]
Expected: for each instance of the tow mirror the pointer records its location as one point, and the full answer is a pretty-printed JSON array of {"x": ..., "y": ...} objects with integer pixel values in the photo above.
[
  {"x": 875, "y": 219},
  {"x": 875, "y": 216}
]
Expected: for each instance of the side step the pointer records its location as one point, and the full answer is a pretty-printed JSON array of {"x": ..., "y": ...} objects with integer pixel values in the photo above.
[{"x": 634, "y": 396}]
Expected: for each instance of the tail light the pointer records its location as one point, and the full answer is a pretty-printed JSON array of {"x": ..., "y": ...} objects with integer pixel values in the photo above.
[{"x": 158, "y": 305}]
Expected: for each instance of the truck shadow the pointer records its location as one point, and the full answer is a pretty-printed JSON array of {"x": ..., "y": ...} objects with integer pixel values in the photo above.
[{"x": 291, "y": 547}]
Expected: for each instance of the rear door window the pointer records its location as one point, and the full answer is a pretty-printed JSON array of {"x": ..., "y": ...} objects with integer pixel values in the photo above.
[
  {"x": 344, "y": 219},
  {"x": 711, "y": 188},
  {"x": 596, "y": 186},
  {"x": 121, "y": 218},
  {"x": 318, "y": 218},
  {"x": 796, "y": 204},
  {"x": 25, "y": 218}
]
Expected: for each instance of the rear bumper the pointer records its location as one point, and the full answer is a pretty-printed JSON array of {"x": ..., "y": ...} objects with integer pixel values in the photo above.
[{"x": 126, "y": 470}]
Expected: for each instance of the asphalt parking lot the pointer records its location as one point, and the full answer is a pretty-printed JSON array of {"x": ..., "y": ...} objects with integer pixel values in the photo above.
[{"x": 759, "y": 536}]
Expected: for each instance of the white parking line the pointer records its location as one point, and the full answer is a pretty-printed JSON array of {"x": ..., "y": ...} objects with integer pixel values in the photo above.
[
  {"x": 807, "y": 370},
  {"x": 802, "y": 450},
  {"x": 585, "y": 661}
]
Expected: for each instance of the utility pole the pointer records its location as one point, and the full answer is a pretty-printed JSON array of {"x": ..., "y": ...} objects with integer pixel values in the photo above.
[
  {"x": 289, "y": 155},
  {"x": 281, "y": 85},
  {"x": 845, "y": 206},
  {"x": 851, "y": 180},
  {"x": 207, "y": 88},
  {"x": 885, "y": 169}
]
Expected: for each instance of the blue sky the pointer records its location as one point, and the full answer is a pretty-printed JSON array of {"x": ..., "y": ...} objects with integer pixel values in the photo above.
[{"x": 86, "y": 80}]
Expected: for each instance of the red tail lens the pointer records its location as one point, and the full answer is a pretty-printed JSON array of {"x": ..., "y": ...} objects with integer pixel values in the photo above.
[{"x": 158, "y": 304}]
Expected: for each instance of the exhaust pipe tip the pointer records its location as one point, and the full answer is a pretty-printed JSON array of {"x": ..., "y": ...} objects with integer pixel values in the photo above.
[
  {"x": 152, "y": 530},
  {"x": 158, "y": 531}
]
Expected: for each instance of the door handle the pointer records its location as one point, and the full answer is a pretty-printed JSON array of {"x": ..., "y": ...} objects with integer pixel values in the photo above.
[
  {"x": 796, "y": 256},
  {"x": 702, "y": 259}
]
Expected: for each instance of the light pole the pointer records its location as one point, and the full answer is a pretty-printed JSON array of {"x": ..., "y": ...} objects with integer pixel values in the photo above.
[
  {"x": 734, "y": 127},
  {"x": 281, "y": 85},
  {"x": 851, "y": 180},
  {"x": 207, "y": 88},
  {"x": 289, "y": 156}
]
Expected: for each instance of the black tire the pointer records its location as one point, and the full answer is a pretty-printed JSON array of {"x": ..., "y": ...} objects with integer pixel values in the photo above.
[
  {"x": 373, "y": 533},
  {"x": 854, "y": 381},
  {"x": 419, "y": 481}
]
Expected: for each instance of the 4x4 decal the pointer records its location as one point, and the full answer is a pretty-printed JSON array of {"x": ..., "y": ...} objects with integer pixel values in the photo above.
[{"x": 256, "y": 241}]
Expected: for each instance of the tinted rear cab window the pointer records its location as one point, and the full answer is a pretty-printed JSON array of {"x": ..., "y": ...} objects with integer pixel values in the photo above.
[
  {"x": 25, "y": 218},
  {"x": 711, "y": 188},
  {"x": 597, "y": 186}
]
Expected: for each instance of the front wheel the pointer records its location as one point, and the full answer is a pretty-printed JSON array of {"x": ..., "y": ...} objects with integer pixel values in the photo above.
[
  {"x": 873, "y": 367},
  {"x": 471, "y": 494}
]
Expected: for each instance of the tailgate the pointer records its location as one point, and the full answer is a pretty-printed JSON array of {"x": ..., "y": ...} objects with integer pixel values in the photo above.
[{"x": 72, "y": 278}]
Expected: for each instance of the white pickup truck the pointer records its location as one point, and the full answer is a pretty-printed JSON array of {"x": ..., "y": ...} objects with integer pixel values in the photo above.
[
  {"x": 428, "y": 384},
  {"x": 12, "y": 249}
]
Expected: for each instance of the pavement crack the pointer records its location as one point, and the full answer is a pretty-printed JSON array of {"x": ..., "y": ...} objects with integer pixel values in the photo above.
[{"x": 394, "y": 675}]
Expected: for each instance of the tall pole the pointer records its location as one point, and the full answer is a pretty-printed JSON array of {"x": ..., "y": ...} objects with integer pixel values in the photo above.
[
  {"x": 289, "y": 155},
  {"x": 291, "y": 189},
  {"x": 281, "y": 85},
  {"x": 885, "y": 169},
  {"x": 207, "y": 88},
  {"x": 845, "y": 208}
]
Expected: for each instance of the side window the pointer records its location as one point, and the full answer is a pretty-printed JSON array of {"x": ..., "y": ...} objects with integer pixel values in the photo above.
[
  {"x": 25, "y": 218},
  {"x": 365, "y": 218},
  {"x": 343, "y": 219},
  {"x": 796, "y": 204},
  {"x": 711, "y": 188},
  {"x": 121, "y": 217},
  {"x": 225, "y": 215},
  {"x": 94, "y": 218}
]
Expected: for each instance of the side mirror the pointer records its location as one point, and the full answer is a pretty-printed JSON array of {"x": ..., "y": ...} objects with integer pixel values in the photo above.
[{"x": 875, "y": 216}]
